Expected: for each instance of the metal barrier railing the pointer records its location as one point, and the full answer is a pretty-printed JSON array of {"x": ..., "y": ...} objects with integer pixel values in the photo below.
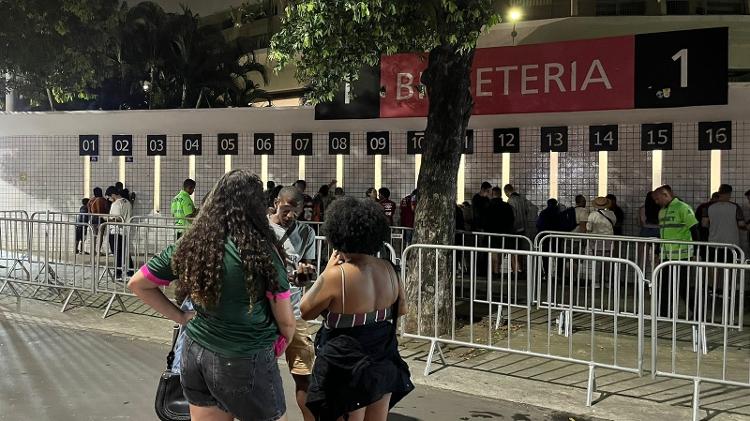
[
  {"x": 128, "y": 256},
  {"x": 430, "y": 275},
  {"x": 14, "y": 214},
  {"x": 712, "y": 364},
  {"x": 647, "y": 253},
  {"x": 40, "y": 251}
]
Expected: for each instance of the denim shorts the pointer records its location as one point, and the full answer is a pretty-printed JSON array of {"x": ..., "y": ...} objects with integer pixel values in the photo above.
[{"x": 248, "y": 387}]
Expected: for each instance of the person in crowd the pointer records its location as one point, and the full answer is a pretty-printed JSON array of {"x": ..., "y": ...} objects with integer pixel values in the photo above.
[
  {"x": 272, "y": 195},
  {"x": 648, "y": 217},
  {"x": 320, "y": 202},
  {"x": 500, "y": 220},
  {"x": 270, "y": 185},
  {"x": 229, "y": 266},
  {"x": 298, "y": 242},
  {"x": 603, "y": 219},
  {"x": 459, "y": 219},
  {"x": 389, "y": 206},
  {"x": 108, "y": 195},
  {"x": 372, "y": 193},
  {"x": 307, "y": 205},
  {"x": 338, "y": 193},
  {"x": 724, "y": 220},
  {"x": 468, "y": 215},
  {"x": 619, "y": 213},
  {"x": 677, "y": 222},
  {"x": 582, "y": 213},
  {"x": 479, "y": 205},
  {"x": 358, "y": 374},
  {"x": 80, "y": 231},
  {"x": 549, "y": 217},
  {"x": 700, "y": 213},
  {"x": 182, "y": 207},
  {"x": 406, "y": 214},
  {"x": 97, "y": 206},
  {"x": 521, "y": 212},
  {"x": 121, "y": 211}
]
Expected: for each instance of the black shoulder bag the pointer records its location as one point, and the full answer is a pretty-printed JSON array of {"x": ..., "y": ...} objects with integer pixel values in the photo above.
[{"x": 170, "y": 404}]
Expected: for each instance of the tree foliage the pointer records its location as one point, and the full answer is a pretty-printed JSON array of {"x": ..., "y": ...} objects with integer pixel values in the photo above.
[
  {"x": 116, "y": 57},
  {"x": 330, "y": 40}
]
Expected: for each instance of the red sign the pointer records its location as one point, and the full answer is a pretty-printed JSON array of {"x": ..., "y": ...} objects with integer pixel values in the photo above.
[{"x": 563, "y": 76}]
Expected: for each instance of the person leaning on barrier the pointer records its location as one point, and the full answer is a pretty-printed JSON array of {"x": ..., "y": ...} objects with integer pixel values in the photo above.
[
  {"x": 358, "y": 371},
  {"x": 182, "y": 207},
  {"x": 677, "y": 222},
  {"x": 229, "y": 266},
  {"x": 121, "y": 211},
  {"x": 298, "y": 241}
]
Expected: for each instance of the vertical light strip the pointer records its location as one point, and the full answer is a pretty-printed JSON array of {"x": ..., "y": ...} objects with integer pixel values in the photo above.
[
  {"x": 603, "y": 173},
  {"x": 157, "y": 183},
  {"x": 86, "y": 176},
  {"x": 506, "y": 169},
  {"x": 461, "y": 180},
  {"x": 121, "y": 176},
  {"x": 418, "y": 166},
  {"x": 553, "y": 172},
  {"x": 191, "y": 167},
  {"x": 340, "y": 171},
  {"x": 301, "y": 171},
  {"x": 191, "y": 170},
  {"x": 378, "y": 171},
  {"x": 715, "y": 171},
  {"x": 227, "y": 163},
  {"x": 264, "y": 169},
  {"x": 656, "y": 157}
]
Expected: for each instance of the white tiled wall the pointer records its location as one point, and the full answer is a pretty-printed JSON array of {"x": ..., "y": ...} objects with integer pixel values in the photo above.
[{"x": 40, "y": 172}]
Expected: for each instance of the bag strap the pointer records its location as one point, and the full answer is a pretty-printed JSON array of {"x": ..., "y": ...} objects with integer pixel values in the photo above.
[
  {"x": 170, "y": 356},
  {"x": 286, "y": 235},
  {"x": 605, "y": 216}
]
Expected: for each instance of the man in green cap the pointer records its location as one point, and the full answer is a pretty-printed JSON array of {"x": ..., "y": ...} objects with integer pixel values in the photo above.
[{"x": 182, "y": 206}]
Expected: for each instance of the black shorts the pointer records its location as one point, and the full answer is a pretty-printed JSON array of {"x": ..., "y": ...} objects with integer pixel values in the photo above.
[{"x": 248, "y": 387}]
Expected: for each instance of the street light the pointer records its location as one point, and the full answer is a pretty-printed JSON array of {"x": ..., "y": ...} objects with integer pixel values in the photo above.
[{"x": 514, "y": 15}]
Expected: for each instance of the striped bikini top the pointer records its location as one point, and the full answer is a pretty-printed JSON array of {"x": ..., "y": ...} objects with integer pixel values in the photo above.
[{"x": 334, "y": 320}]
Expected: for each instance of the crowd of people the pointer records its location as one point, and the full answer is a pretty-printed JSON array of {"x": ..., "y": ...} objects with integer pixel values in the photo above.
[{"x": 242, "y": 265}]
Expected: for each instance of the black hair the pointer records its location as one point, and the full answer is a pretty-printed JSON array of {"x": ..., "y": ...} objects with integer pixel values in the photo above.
[
  {"x": 611, "y": 197},
  {"x": 551, "y": 203},
  {"x": 97, "y": 192},
  {"x": 747, "y": 193},
  {"x": 580, "y": 199},
  {"x": 496, "y": 189},
  {"x": 188, "y": 183},
  {"x": 85, "y": 201},
  {"x": 356, "y": 226},
  {"x": 339, "y": 191},
  {"x": 323, "y": 190},
  {"x": 725, "y": 188},
  {"x": 652, "y": 209},
  {"x": 302, "y": 183},
  {"x": 486, "y": 185},
  {"x": 125, "y": 193},
  {"x": 370, "y": 190},
  {"x": 270, "y": 185},
  {"x": 383, "y": 191},
  {"x": 109, "y": 191},
  {"x": 119, "y": 185}
]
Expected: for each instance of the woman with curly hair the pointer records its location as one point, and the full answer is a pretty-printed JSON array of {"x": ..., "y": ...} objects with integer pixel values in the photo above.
[
  {"x": 228, "y": 265},
  {"x": 359, "y": 374}
]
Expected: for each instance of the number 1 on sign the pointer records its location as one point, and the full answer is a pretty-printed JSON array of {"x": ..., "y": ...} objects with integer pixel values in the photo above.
[{"x": 682, "y": 55}]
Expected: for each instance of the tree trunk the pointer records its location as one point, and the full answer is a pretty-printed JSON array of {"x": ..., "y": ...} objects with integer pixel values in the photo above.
[
  {"x": 183, "y": 102},
  {"x": 448, "y": 84},
  {"x": 50, "y": 99},
  {"x": 200, "y": 97}
]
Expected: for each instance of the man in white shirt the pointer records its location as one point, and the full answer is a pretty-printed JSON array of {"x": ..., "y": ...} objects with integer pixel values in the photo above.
[
  {"x": 582, "y": 214},
  {"x": 724, "y": 220},
  {"x": 121, "y": 208}
]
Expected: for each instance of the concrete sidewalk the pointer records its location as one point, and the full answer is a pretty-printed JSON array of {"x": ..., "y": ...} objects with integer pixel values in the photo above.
[{"x": 508, "y": 380}]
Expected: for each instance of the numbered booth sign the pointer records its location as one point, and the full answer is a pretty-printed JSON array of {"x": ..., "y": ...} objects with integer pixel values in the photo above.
[
  {"x": 656, "y": 137},
  {"x": 228, "y": 144},
  {"x": 122, "y": 145},
  {"x": 554, "y": 139},
  {"x": 302, "y": 144},
  {"x": 156, "y": 145},
  {"x": 192, "y": 144},
  {"x": 414, "y": 141},
  {"x": 715, "y": 135},
  {"x": 88, "y": 145},
  {"x": 338, "y": 143},
  {"x": 378, "y": 143},
  {"x": 263, "y": 143},
  {"x": 467, "y": 148},
  {"x": 603, "y": 138},
  {"x": 506, "y": 140}
]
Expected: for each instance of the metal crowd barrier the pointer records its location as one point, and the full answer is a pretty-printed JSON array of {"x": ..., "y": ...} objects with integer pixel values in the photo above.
[
  {"x": 433, "y": 270},
  {"x": 711, "y": 340},
  {"x": 43, "y": 257},
  {"x": 647, "y": 253},
  {"x": 132, "y": 245},
  {"x": 14, "y": 214}
]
